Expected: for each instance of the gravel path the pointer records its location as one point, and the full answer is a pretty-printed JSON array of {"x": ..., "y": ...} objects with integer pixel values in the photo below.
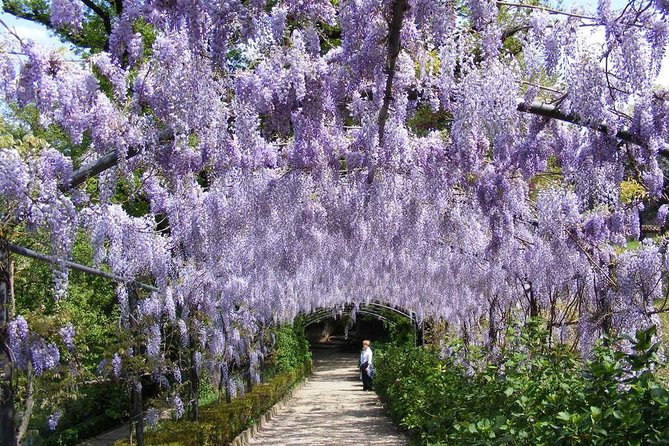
[{"x": 331, "y": 409}]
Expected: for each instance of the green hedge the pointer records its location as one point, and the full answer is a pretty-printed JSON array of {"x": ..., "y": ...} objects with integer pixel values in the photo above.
[
  {"x": 530, "y": 394},
  {"x": 220, "y": 423},
  {"x": 291, "y": 349}
]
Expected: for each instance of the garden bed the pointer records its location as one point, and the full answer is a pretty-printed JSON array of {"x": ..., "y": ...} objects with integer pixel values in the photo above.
[{"x": 221, "y": 422}]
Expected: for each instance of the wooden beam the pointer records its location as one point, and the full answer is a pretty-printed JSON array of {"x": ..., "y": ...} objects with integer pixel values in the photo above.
[{"x": 71, "y": 265}]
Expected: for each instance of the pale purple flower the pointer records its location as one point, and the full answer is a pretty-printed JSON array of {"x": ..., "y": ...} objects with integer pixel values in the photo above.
[
  {"x": 52, "y": 422},
  {"x": 43, "y": 356},
  {"x": 152, "y": 417},
  {"x": 135, "y": 48},
  {"x": 662, "y": 213},
  {"x": 178, "y": 406},
  {"x": 154, "y": 339},
  {"x": 66, "y": 13},
  {"x": 67, "y": 333},
  {"x": 116, "y": 366}
]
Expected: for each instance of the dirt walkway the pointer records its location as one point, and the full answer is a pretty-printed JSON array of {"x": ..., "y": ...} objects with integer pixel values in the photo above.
[{"x": 331, "y": 409}]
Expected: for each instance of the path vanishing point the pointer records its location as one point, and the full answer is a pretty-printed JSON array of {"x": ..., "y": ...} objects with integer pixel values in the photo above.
[{"x": 331, "y": 409}]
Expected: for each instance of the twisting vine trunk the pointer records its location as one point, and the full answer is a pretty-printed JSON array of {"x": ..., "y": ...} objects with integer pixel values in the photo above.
[
  {"x": 137, "y": 412},
  {"x": 395, "y": 25},
  {"x": 7, "y": 427},
  {"x": 613, "y": 284},
  {"x": 532, "y": 300},
  {"x": 394, "y": 40},
  {"x": 30, "y": 404},
  {"x": 226, "y": 382},
  {"x": 492, "y": 325}
]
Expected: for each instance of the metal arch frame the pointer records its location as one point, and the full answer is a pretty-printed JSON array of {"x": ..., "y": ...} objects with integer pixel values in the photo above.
[
  {"x": 370, "y": 308},
  {"x": 320, "y": 316},
  {"x": 376, "y": 303}
]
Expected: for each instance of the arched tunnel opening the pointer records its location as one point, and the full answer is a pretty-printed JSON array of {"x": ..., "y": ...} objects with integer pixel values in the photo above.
[{"x": 345, "y": 328}]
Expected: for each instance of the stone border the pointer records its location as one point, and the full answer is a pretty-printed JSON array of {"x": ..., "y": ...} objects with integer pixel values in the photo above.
[{"x": 246, "y": 436}]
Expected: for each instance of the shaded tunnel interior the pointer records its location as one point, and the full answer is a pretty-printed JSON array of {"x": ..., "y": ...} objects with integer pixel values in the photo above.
[{"x": 346, "y": 329}]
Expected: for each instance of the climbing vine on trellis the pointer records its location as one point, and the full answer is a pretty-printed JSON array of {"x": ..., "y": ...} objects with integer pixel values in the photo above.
[{"x": 277, "y": 149}]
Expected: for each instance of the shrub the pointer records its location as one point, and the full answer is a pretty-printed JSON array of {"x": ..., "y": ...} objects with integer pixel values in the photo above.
[
  {"x": 532, "y": 394},
  {"x": 291, "y": 348},
  {"x": 100, "y": 407},
  {"x": 221, "y": 422}
]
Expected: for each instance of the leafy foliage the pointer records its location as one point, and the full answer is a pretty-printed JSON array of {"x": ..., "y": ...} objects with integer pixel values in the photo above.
[
  {"x": 290, "y": 350},
  {"x": 528, "y": 393},
  {"x": 220, "y": 422},
  {"x": 96, "y": 409}
]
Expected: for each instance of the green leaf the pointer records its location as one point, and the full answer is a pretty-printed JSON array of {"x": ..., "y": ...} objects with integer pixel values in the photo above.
[
  {"x": 595, "y": 413},
  {"x": 564, "y": 416}
]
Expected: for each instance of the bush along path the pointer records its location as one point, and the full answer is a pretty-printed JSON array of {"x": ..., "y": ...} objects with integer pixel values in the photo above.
[
  {"x": 220, "y": 423},
  {"x": 331, "y": 409},
  {"x": 528, "y": 393}
]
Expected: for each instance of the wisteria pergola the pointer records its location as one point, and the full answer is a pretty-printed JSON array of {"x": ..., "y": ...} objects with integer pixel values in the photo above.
[{"x": 465, "y": 161}]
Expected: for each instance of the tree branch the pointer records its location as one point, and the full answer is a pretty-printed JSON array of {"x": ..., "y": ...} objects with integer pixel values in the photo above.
[
  {"x": 20, "y": 250},
  {"x": 509, "y": 32},
  {"x": 40, "y": 14},
  {"x": 104, "y": 15},
  {"x": 118, "y": 4},
  {"x": 549, "y": 111},
  {"x": 23, "y": 12},
  {"x": 549, "y": 10},
  {"x": 394, "y": 41},
  {"x": 399, "y": 7},
  {"x": 107, "y": 161}
]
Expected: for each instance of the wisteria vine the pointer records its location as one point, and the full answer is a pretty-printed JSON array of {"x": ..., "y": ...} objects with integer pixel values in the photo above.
[{"x": 316, "y": 160}]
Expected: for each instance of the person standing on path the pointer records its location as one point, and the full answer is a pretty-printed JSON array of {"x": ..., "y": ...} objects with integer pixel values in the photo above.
[{"x": 366, "y": 369}]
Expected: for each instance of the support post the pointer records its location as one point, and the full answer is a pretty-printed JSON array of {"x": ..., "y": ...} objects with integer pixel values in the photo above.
[
  {"x": 228, "y": 396},
  {"x": 532, "y": 300},
  {"x": 194, "y": 380},
  {"x": 492, "y": 327},
  {"x": 7, "y": 412},
  {"x": 137, "y": 410}
]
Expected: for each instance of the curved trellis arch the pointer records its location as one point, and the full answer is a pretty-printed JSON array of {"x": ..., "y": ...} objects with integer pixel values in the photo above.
[
  {"x": 323, "y": 315},
  {"x": 375, "y": 309}
]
